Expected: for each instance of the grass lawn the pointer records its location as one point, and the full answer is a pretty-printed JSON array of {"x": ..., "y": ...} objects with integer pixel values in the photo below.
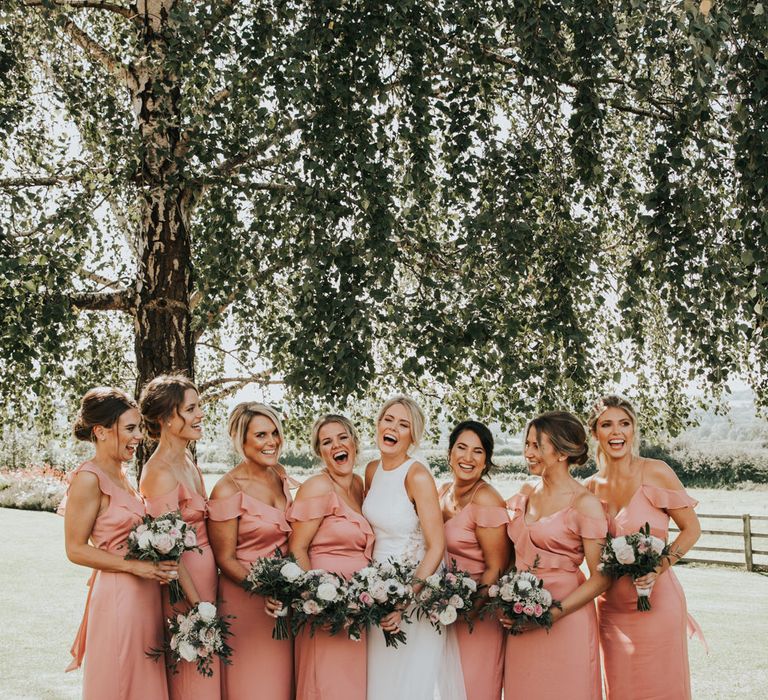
[{"x": 42, "y": 597}]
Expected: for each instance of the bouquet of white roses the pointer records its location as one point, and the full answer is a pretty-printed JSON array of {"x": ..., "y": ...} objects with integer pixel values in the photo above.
[
  {"x": 633, "y": 555},
  {"x": 276, "y": 577},
  {"x": 446, "y": 596},
  {"x": 521, "y": 596},
  {"x": 196, "y": 636},
  {"x": 322, "y": 601},
  {"x": 164, "y": 538},
  {"x": 376, "y": 591}
]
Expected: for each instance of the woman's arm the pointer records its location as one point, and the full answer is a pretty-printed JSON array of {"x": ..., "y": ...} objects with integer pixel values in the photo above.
[
  {"x": 83, "y": 506},
  {"x": 304, "y": 531},
  {"x": 596, "y": 584},
  {"x": 421, "y": 489},
  {"x": 222, "y": 535}
]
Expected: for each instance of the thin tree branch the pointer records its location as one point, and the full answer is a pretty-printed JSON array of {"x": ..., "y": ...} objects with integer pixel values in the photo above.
[
  {"x": 127, "y": 12},
  {"x": 103, "y": 281},
  {"x": 235, "y": 384},
  {"x": 9, "y": 183},
  {"x": 121, "y": 300},
  {"x": 98, "y": 53}
]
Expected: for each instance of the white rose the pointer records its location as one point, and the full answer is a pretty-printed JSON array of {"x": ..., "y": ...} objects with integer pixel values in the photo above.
[
  {"x": 657, "y": 545},
  {"x": 310, "y": 607},
  {"x": 207, "y": 611},
  {"x": 145, "y": 540},
  {"x": 493, "y": 591},
  {"x": 187, "y": 651},
  {"x": 327, "y": 591},
  {"x": 190, "y": 538},
  {"x": 163, "y": 542},
  {"x": 447, "y": 616},
  {"x": 523, "y": 585},
  {"x": 624, "y": 552},
  {"x": 469, "y": 584},
  {"x": 185, "y": 625},
  {"x": 456, "y": 601},
  {"x": 545, "y": 597},
  {"x": 379, "y": 591},
  {"x": 507, "y": 592},
  {"x": 434, "y": 580},
  {"x": 290, "y": 571}
]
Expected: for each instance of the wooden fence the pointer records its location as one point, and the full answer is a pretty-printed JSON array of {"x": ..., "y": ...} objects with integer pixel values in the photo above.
[{"x": 746, "y": 535}]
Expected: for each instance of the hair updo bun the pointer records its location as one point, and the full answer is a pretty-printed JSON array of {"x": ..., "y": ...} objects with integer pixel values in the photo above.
[
  {"x": 161, "y": 398},
  {"x": 566, "y": 433},
  {"x": 103, "y": 406}
]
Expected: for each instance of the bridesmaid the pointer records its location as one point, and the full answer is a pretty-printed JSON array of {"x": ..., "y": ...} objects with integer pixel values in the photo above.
[
  {"x": 560, "y": 523},
  {"x": 645, "y": 654},
  {"x": 170, "y": 480},
  {"x": 247, "y": 521},
  {"x": 330, "y": 532},
  {"x": 123, "y": 617},
  {"x": 476, "y": 536}
]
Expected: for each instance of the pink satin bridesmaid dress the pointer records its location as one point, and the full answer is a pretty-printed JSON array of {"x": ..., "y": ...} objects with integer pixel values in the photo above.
[
  {"x": 564, "y": 662},
  {"x": 188, "y": 683},
  {"x": 123, "y": 617},
  {"x": 333, "y": 667},
  {"x": 645, "y": 654},
  {"x": 482, "y": 650},
  {"x": 261, "y": 666}
]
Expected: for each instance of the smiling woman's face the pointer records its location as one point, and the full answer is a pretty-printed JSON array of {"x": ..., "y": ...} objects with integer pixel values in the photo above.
[
  {"x": 337, "y": 449},
  {"x": 393, "y": 434},
  {"x": 467, "y": 458},
  {"x": 262, "y": 442},
  {"x": 615, "y": 433}
]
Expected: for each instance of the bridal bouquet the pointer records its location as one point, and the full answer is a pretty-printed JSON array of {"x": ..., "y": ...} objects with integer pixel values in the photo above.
[
  {"x": 197, "y": 636},
  {"x": 446, "y": 595},
  {"x": 322, "y": 601},
  {"x": 521, "y": 596},
  {"x": 164, "y": 538},
  {"x": 376, "y": 591},
  {"x": 633, "y": 555},
  {"x": 276, "y": 577}
]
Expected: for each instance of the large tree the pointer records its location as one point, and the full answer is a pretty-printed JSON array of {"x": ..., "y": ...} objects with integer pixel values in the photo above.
[{"x": 502, "y": 204}]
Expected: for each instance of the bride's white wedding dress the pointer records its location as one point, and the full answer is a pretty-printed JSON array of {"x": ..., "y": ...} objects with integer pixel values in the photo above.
[{"x": 428, "y": 665}]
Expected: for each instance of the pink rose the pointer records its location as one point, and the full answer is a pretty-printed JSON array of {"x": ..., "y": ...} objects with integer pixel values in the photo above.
[
  {"x": 450, "y": 578},
  {"x": 517, "y": 608},
  {"x": 642, "y": 546},
  {"x": 163, "y": 542},
  {"x": 528, "y": 610},
  {"x": 190, "y": 538},
  {"x": 538, "y": 610},
  {"x": 366, "y": 599}
]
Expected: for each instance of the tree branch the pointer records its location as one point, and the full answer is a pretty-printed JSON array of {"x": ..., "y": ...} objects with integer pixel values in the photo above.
[
  {"x": 121, "y": 300},
  {"x": 98, "y": 53},
  {"x": 235, "y": 384},
  {"x": 126, "y": 12},
  {"x": 103, "y": 281},
  {"x": 8, "y": 183}
]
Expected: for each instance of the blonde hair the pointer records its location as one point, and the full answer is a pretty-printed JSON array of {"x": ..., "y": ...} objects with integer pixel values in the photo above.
[
  {"x": 414, "y": 411},
  {"x": 328, "y": 418},
  {"x": 601, "y": 406},
  {"x": 241, "y": 418}
]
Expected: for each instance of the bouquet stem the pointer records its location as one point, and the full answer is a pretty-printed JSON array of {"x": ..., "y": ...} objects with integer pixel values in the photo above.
[
  {"x": 175, "y": 592},
  {"x": 643, "y": 597},
  {"x": 280, "y": 630}
]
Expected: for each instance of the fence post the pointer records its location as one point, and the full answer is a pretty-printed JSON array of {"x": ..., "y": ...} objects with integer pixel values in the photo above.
[{"x": 748, "y": 541}]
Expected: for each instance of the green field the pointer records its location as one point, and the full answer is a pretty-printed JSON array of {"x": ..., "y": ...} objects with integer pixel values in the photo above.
[{"x": 42, "y": 596}]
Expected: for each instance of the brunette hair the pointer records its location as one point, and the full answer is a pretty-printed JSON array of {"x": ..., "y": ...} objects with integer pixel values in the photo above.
[
  {"x": 103, "y": 406},
  {"x": 241, "y": 417},
  {"x": 418, "y": 421},
  {"x": 483, "y": 434},
  {"x": 566, "y": 433},
  {"x": 161, "y": 398},
  {"x": 324, "y": 420},
  {"x": 613, "y": 401}
]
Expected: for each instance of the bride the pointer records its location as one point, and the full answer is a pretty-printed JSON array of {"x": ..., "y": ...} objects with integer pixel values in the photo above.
[{"x": 402, "y": 506}]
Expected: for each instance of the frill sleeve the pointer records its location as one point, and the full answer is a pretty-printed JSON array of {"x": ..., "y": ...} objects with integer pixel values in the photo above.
[
  {"x": 105, "y": 485},
  {"x": 160, "y": 505},
  {"x": 586, "y": 526},
  {"x": 488, "y": 516},
  {"x": 226, "y": 508},
  {"x": 668, "y": 499},
  {"x": 312, "y": 508},
  {"x": 517, "y": 503}
]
